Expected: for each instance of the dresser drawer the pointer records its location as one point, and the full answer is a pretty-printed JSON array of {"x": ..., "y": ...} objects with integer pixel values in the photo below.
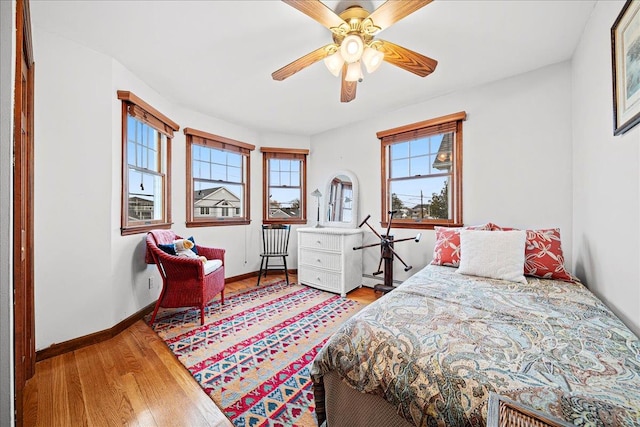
[
  {"x": 328, "y": 260},
  {"x": 322, "y": 279},
  {"x": 327, "y": 242}
]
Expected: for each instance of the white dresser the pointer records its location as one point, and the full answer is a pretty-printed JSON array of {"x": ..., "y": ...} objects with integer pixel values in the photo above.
[{"x": 327, "y": 261}]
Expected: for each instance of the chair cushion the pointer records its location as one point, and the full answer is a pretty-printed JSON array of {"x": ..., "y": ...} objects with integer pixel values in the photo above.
[{"x": 212, "y": 265}]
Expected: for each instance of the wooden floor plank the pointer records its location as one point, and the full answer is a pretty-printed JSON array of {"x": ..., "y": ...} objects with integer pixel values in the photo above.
[
  {"x": 143, "y": 415},
  {"x": 60, "y": 392},
  {"x": 75, "y": 397},
  {"x": 102, "y": 396},
  {"x": 131, "y": 379}
]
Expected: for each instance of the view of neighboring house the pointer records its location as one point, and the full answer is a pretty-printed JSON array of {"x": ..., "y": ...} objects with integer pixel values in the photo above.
[
  {"x": 140, "y": 209},
  {"x": 216, "y": 202},
  {"x": 278, "y": 210}
]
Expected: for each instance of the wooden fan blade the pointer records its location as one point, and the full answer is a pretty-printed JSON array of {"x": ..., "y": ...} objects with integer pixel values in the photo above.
[
  {"x": 394, "y": 10},
  {"x": 317, "y": 10},
  {"x": 407, "y": 59},
  {"x": 300, "y": 63},
  {"x": 348, "y": 89}
]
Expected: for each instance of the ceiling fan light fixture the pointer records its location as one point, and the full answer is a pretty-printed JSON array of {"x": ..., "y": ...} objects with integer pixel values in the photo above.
[
  {"x": 334, "y": 63},
  {"x": 351, "y": 48},
  {"x": 372, "y": 59},
  {"x": 354, "y": 72}
]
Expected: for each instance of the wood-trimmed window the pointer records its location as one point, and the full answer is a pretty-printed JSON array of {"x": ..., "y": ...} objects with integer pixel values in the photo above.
[
  {"x": 422, "y": 173},
  {"x": 218, "y": 180},
  {"x": 284, "y": 185},
  {"x": 146, "y": 166}
]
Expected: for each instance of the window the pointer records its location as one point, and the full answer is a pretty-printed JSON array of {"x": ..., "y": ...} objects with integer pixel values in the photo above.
[
  {"x": 284, "y": 183},
  {"x": 218, "y": 183},
  {"x": 146, "y": 166},
  {"x": 422, "y": 173}
]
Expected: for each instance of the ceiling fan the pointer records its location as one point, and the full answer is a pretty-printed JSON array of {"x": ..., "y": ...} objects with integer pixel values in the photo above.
[{"x": 354, "y": 42}]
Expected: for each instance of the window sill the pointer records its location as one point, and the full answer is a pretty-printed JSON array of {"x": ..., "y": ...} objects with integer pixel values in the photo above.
[
  {"x": 284, "y": 221},
  {"x": 217, "y": 223},
  {"x": 128, "y": 231},
  {"x": 418, "y": 225}
]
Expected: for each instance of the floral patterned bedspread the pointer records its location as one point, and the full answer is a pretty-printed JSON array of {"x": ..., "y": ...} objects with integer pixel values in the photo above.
[{"x": 439, "y": 343}]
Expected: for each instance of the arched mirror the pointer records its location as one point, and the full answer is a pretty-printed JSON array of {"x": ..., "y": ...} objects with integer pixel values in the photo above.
[{"x": 341, "y": 200}]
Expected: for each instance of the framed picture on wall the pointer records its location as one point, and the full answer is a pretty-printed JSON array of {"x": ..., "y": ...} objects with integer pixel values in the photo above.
[{"x": 625, "y": 52}]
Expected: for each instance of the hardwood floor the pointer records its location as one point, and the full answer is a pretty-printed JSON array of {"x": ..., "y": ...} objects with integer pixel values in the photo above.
[{"x": 131, "y": 379}]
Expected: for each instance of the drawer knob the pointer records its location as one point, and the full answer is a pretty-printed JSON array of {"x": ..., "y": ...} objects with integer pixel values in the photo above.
[{"x": 319, "y": 261}]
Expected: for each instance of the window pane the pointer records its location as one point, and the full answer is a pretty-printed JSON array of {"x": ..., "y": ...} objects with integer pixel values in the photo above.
[
  {"x": 274, "y": 178},
  {"x": 444, "y": 156},
  {"x": 152, "y": 156},
  {"x": 285, "y": 179},
  {"x": 143, "y": 157},
  {"x": 421, "y": 198},
  {"x": 234, "y": 160},
  {"x": 434, "y": 142},
  {"x": 131, "y": 153},
  {"x": 217, "y": 156},
  {"x": 400, "y": 150},
  {"x": 218, "y": 172},
  {"x": 419, "y": 147},
  {"x": 284, "y": 203},
  {"x": 145, "y": 196},
  {"x": 234, "y": 174},
  {"x": 400, "y": 168},
  {"x": 143, "y": 146},
  {"x": 419, "y": 166},
  {"x": 212, "y": 201},
  {"x": 295, "y": 179}
]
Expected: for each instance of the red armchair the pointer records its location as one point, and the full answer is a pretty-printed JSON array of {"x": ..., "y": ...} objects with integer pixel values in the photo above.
[{"x": 184, "y": 282}]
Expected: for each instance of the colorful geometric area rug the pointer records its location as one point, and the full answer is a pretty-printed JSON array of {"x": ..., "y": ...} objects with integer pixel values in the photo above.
[{"x": 254, "y": 353}]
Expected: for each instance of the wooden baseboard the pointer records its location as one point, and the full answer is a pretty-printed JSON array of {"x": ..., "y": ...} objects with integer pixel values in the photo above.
[
  {"x": 253, "y": 274},
  {"x": 97, "y": 337}
]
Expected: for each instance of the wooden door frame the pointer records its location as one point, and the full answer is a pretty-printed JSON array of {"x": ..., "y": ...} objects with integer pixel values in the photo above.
[{"x": 23, "y": 223}]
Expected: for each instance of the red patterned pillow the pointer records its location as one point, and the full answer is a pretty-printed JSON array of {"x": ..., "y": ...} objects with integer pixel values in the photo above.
[
  {"x": 446, "y": 250},
  {"x": 543, "y": 254}
]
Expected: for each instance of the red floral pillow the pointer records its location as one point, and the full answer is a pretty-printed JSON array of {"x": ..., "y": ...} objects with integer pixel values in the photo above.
[
  {"x": 447, "y": 248},
  {"x": 543, "y": 254}
]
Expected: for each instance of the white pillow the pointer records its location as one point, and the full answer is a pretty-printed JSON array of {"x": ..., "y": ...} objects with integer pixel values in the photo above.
[{"x": 494, "y": 254}]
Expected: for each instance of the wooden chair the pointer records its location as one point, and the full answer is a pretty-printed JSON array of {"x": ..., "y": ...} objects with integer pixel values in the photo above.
[
  {"x": 186, "y": 282},
  {"x": 275, "y": 244}
]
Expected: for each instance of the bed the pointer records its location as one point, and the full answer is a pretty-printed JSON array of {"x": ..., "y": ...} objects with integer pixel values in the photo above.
[{"x": 430, "y": 352}]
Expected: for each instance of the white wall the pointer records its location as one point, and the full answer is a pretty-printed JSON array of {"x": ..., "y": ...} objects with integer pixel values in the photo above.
[
  {"x": 606, "y": 181},
  {"x": 7, "y": 57},
  {"x": 87, "y": 276},
  {"x": 73, "y": 286},
  {"x": 516, "y": 156}
]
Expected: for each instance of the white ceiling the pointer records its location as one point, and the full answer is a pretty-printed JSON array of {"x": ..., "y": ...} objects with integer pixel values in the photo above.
[{"x": 216, "y": 57}]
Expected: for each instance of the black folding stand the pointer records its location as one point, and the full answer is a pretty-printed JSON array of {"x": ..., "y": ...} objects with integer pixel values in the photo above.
[{"x": 386, "y": 253}]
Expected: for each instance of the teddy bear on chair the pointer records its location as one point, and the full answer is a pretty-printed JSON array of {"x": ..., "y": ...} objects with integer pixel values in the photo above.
[{"x": 184, "y": 248}]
